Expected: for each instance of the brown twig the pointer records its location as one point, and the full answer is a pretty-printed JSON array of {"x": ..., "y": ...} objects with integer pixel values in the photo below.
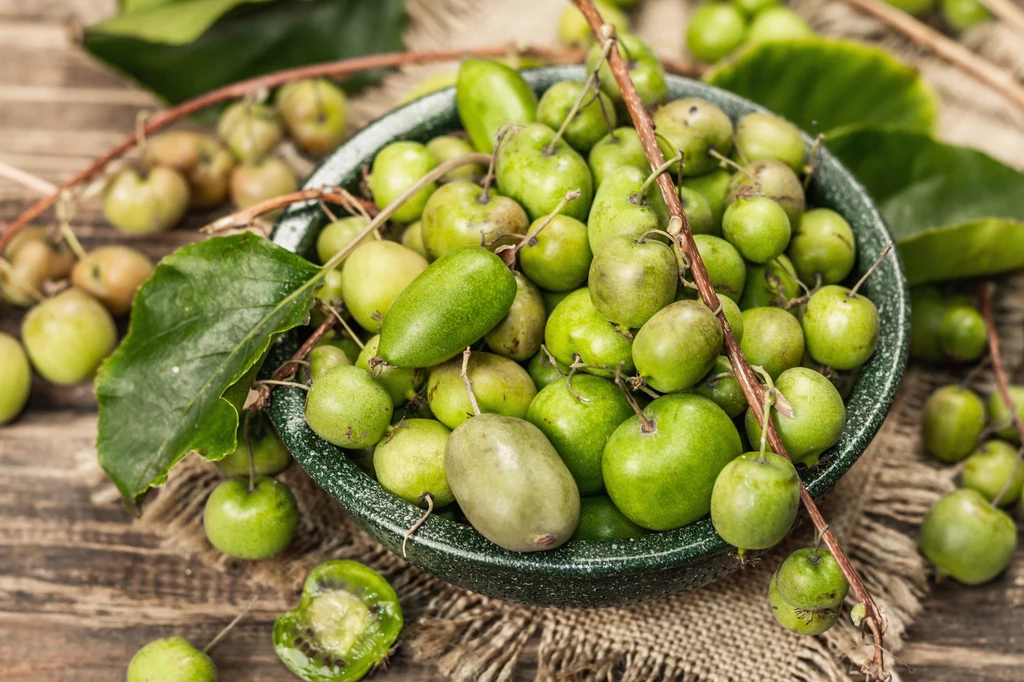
[
  {"x": 1009, "y": 12},
  {"x": 336, "y": 70},
  {"x": 753, "y": 391},
  {"x": 1001, "y": 80},
  {"x": 1002, "y": 383}
]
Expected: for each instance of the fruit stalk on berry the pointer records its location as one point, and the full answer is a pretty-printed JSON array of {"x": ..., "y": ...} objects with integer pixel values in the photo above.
[{"x": 752, "y": 388}]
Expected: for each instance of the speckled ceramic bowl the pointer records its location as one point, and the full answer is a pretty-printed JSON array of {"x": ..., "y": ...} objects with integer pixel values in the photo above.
[{"x": 582, "y": 573}]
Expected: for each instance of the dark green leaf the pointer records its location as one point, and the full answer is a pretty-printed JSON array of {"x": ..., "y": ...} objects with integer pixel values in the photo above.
[
  {"x": 831, "y": 84},
  {"x": 954, "y": 211},
  {"x": 198, "y": 326},
  {"x": 250, "y": 40}
]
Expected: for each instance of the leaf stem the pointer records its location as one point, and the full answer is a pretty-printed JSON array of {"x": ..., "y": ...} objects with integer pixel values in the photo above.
[
  {"x": 753, "y": 391},
  {"x": 336, "y": 70},
  {"x": 1002, "y": 384}
]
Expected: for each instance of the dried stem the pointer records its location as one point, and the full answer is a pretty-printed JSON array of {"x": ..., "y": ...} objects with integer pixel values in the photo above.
[
  {"x": 532, "y": 234},
  {"x": 852, "y": 293},
  {"x": 753, "y": 391},
  {"x": 1001, "y": 80},
  {"x": 1009, "y": 12},
  {"x": 466, "y": 380},
  {"x": 26, "y": 179},
  {"x": 429, "y": 499},
  {"x": 345, "y": 325},
  {"x": 336, "y": 70},
  {"x": 230, "y": 626},
  {"x": 1002, "y": 383}
]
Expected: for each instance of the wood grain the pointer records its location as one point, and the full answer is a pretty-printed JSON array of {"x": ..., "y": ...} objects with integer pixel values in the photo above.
[{"x": 81, "y": 588}]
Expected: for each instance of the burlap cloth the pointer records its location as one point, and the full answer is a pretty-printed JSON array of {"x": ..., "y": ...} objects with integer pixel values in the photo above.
[{"x": 724, "y": 631}]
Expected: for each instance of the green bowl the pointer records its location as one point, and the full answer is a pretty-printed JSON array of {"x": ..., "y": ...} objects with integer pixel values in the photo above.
[{"x": 582, "y": 574}]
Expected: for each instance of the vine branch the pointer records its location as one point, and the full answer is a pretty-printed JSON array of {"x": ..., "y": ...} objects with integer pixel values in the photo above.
[
  {"x": 753, "y": 391},
  {"x": 998, "y": 370},
  {"x": 1009, "y": 12},
  {"x": 1001, "y": 80},
  {"x": 335, "y": 70},
  {"x": 1002, "y": 383}
]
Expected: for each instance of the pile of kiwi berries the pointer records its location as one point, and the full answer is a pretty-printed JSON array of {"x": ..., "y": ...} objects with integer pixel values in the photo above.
[
  {"x": 968, "y": 534},
  {"x": 717, "y": 28},
  {"x": 959, "y": 15},
  {"x": 525, "y": 348},
  {"x": 75, "y": 298}
]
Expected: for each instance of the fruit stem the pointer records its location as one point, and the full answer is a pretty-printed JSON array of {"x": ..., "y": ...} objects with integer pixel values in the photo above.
[
  {"x": 591, "y": 83},
  {"x": 646, "y": 425},
  {"x": 274, "y": 382},
  {"x": 570, "y": 196},
  {"x": 13, "y": 277},
  {"x": 469, "y": 384},
  {"x": 345, "y": 325},
  {"x": 231, "y": 626},
  {"x": 248, "y": 451},
  {"x": 813, "y": 156},
  {"x": 642, "y": 193},
  {"x": 752, "y": 389},
  {"x": 852, "y": 293},
  {"x": 577, "y": 363},
  {"x": 551, "y": 359},
  {"x": 423, "y": 519},
  {"x": 714, "y": 153},
  {"x": 65, "y": 211},
  {"x": 1002, "y": 384}
]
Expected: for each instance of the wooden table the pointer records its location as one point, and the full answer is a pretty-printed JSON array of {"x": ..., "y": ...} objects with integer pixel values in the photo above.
[{"x": 81, "y": 589}]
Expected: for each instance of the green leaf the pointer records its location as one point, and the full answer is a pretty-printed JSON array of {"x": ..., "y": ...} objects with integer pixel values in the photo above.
[
  {"x": 954, "y": 211},
  {"x": 172, "y": 23},
  {"x": 199, "y": 325},
  {"x": 987, "y": 246},
  {"x": 831, "y": 84},
  {"x": 253, "y": 37}
]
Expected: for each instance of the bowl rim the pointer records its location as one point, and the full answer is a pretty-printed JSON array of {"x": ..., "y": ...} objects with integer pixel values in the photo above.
[{"x": 372, "y": 506}]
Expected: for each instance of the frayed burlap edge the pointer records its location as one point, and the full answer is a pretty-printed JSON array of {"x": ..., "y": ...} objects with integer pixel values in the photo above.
[{"x": 722, "y": 632}]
